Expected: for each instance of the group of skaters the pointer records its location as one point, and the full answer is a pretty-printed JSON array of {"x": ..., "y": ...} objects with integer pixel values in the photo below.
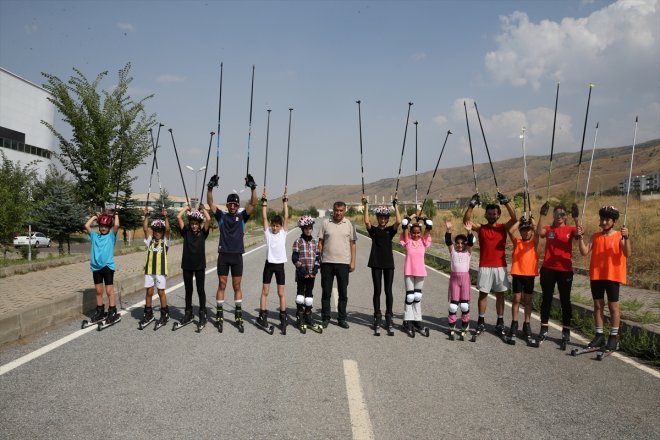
[{"x": 333, "y": 253}]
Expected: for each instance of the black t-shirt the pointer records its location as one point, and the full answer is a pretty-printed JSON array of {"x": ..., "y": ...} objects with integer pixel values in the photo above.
[
  {"x": 232, "y": 230},
  {"x": 194, "y": 249},
  {"x": 381, "y": 247}
]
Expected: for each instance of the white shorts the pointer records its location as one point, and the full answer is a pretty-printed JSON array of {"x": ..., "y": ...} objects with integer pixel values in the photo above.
[
  {"x": 492, "y": 279},
  {"x": 158, "y": 280}
]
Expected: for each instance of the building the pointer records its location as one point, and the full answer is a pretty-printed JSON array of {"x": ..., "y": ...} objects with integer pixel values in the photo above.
[
  {"x": 23, "y": 138},
  {"x": 641, "y": 183},
  {"x": 178, "y": 202}
]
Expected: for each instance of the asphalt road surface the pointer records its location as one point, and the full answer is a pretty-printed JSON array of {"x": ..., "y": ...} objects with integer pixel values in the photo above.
[{"x": 342, "y": 384}]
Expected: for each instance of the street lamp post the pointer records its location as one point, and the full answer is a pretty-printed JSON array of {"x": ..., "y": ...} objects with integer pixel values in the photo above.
[{"x": 196, "y": 172}]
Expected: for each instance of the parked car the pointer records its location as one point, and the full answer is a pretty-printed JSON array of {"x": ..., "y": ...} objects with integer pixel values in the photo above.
[{"x": 39, "y": 239}]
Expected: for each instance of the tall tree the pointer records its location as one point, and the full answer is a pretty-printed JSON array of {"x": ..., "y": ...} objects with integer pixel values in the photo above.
[
  {"x": 16, "y": 202},
  {"x": 109, "y": 133}
]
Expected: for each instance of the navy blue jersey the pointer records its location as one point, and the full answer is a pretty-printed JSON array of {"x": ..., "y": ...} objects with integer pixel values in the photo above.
[{"x": 232, "y": 230}]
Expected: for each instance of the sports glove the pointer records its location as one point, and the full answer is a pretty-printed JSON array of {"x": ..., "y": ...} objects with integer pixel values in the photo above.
[
  {"x": 475, "y": 200},
  {"x": 545, "y": 208},
  {"x": 249, "y": 182},
  {"x": 502, "y": 198},
  {"x": 405, "y": 222},
  {"x": 428, "y": 223},
  {"x": 395, "y": 202},
  {"x": 213, "y": 181},
  {"x": 575, "y": 212}
]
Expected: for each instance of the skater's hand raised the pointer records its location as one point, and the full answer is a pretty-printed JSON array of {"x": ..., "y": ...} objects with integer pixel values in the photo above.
[
  {"x": 475, "y": 201},
  {"x": 545, "y": 208},
  {"x": 213, "y": 182},
  {"x": 575, "y": 212},
  {"x": 449, "y": 225}
]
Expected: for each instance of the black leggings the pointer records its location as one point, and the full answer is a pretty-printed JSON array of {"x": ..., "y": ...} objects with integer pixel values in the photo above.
[
  {"x": 388, "y": 276},
  {"x": 564, "y": 281},
  {"x": 188, "y": 282}
]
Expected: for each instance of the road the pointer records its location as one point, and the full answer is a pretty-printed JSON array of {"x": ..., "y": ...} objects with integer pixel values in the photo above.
[{"x": 126, "y": 383}]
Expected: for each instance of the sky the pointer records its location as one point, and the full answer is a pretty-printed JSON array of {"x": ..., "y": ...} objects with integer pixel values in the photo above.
[{"x": 320, "y": 57}]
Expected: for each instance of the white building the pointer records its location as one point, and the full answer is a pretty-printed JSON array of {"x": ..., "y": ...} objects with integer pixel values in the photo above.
[
  {"x": 23, "y": 138},
  {"x": 641, "y": 183}
]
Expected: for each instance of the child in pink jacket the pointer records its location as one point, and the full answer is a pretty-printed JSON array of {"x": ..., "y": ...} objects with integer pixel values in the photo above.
[{"x": 414, "y": 270}]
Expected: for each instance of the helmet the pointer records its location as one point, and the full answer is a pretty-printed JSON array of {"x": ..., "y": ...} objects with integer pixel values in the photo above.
[
  {"x": 305, "y": 220},
  {"x": 158, "y": 225},
  {"x": 382, "y": 211},
  {"x": 105, "y": 220},
  {"x": 525, "y": 223},
  {"x": 195, "y": 216},
  {"x": 233, "y": 198},
  {"x": 609, "y": 212}
]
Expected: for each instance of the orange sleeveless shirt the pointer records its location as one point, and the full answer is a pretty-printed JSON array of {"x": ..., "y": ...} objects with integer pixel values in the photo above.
[
  {"x": 525, "y": 258},
  {"x": 607, "y": 259}
]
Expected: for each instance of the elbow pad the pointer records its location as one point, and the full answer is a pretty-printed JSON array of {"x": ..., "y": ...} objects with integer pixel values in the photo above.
[
  {"x": 448, "y": 241},
  {"x": 470, "y": 240}
]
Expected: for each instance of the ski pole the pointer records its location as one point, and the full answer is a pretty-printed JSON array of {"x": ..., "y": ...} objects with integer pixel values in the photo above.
[
  {"x": 288, "y": 144},
  {"x": 360, "y": 127},
  {"x": 584, "y": 131},
  {"x": 474, "y": 173},
  {"x": 632, "y": 156},
  {"x": 525, "y": 178},
  {"x": 396, "y": 191},
  {"x": 250, "y": 124},
  {"x": 179, "y": 165},
  {"x": 552, "y": 144},
  {"x": 416, "y": 199},
  {"x": 434, "y": 171},
  {"x": 160, "y": 185},
  {"x": 266, "y": 161},
  {"x": 486, "y": 144},
  {"x": 217, "y": 149},
  {"x": 586, "y": 190},
  {"x": 206, "y": 168}
]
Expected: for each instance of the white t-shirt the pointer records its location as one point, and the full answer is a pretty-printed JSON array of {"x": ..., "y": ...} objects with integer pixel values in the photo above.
[{"x": 275, "y": 246}]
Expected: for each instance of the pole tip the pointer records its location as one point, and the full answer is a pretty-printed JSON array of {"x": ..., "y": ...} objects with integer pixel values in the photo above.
[
  {"x": 636, "y": 119},
  {"x": 410, "y": 103},
  {"x": 591, "y": 85},
  {"x": 290, "y": 109},
  {"x": 449, "y": 132},
  {"x": 161, "y": 125},
  {"x": 358, "y": 102},
  {"x": 269, "y": 110},
  {"x": 415, "y": 122},
  {"x": 597, "y": 124},
  {"x": 170, "y": 130},
  {"x": 212, "y": 133}
]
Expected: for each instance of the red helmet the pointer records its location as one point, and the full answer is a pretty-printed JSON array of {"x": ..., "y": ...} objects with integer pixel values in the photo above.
[{"x": 105, "y": 220}]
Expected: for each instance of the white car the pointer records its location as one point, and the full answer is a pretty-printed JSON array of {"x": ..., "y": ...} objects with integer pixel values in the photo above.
[{"x": 38, "y": 240}]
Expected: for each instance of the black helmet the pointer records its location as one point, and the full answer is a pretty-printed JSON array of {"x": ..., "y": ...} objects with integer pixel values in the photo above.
[
  {"x": 609, "y": 212},
  {"x": 233, "y": 198}
]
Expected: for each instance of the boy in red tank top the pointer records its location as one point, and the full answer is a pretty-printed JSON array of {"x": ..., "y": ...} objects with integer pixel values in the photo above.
[{"x": 607, "y": 271}]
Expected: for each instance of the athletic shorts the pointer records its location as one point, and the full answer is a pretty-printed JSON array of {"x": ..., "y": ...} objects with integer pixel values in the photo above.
[
  {"x": 271, "y": 269},
  {"x": 157, "y": 280},
  {"x": 599, "y": 287},
  {"x": 105, "y": 275},
  {"x": 523, "y": 284},
  {"x": 492, "y": 279},
  {"x": 230, "y": 261}
]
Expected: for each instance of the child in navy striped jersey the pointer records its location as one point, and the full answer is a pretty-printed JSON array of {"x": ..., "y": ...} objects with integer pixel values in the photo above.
[{"x": 155, "y": 267}]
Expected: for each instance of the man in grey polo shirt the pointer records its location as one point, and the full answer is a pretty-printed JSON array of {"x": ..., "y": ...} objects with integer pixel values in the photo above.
[{"x": 337, "y": 247}]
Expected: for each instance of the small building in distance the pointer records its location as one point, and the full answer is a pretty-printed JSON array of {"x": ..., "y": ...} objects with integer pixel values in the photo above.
[{"x": 641, "y": 183}]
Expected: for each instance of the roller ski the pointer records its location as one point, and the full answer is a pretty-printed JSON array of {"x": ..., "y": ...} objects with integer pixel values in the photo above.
[
  {"x": 453, "y": 331},
  {"x": 611, "y": 346},
  {"x": 422, "y": 330},
  {"x": 465, "y": 330},
  {"x": 284, "y": 322},
  {"x": 481, "y": 327},
  {"x": 377, "y": 319},
  {"x": 310, "y": 324},
  {"x": 98, "y": 316},
  {"x": 407, "y": 327},
  {"x": 164, "y": 318},
  {"x": 388, "y": 325},
  {"x": 219, "y": 319},
  {"x": 147, "y": 318},
  {"x": 202, "y": 320},
  {"x": 543, "y": 335},
  {"x": 511, "y": 336},
  {"x": 565, "y": 338},
  {"x": 238, "y": 320},
  {"x": 597, "y": 344},
  {"x": 111, "y": 319},
  {"x": 262, "y": 322},
  {"x": 187, "y": 319}
]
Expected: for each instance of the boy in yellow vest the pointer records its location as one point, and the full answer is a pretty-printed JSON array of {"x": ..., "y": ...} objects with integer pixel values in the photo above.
[{"x": 155, "y": 267}]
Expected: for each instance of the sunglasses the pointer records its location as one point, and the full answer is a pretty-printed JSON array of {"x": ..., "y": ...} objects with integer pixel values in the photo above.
[
  {"x": 560, "y": 214},
  {"x": 232, "y": 204}
]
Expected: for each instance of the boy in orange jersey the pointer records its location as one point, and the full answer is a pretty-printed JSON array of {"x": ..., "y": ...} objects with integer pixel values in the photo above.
[
  {"x": 607, "y": 271},
  {"x": 524, "y": 268}
]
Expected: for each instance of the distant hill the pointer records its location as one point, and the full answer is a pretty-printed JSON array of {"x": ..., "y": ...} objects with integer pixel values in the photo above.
[{"x": 610, "y": 166}]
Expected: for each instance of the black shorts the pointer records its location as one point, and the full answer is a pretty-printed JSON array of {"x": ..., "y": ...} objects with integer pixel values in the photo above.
[
  {"x": 230, "y": 261},
  {"x": 523, "y": 284},
  {"x": 105, "y": 275},
  {"x": 599, "y": 287},
  {"x": 271, "y": 269}
]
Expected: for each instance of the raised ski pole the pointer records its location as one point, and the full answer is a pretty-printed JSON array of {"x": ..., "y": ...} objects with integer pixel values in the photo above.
[
  {"x": 591, "y": 162},
  {"x": 552, "y": 144},
  {"x": 396, "y": 190},
  {"x": 179, "y": 165},
  {"x": 360, "y": 127},
  {"x": 206, "y": 167},
  {"x": 434, "y": 171},
  {"x": 632, "y": 156}
]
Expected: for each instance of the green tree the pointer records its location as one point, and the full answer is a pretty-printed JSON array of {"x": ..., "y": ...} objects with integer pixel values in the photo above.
[
  {"x": 109, "y": 133},
  {"x": 313, "y": 211},
  {"x": 429, "y": 210},
  {"x": 59, "y": 212},
  {"x": 16, "y": 202},
  {"x": 130, "y": 216}
]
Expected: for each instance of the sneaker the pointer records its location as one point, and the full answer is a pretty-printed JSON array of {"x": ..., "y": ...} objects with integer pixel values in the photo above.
[
  {"x": 187, "y": 316},
  {"x": 112, "y": 315},
  {"x": 481, "y": 327},
  {"x": 566, "y": 334},
  {"x": 99, "y": 314},
  {"x": 513, "y": 329},
  {"x": 202, "y": 316},
  {"x": 527, "y": 330},
  {"x": 612, "y": 343},
  {"x": 543, "y": 334},
  {"x": 219, "y": 315},
  {"x": 499, "y": 326},
  {"x": 343, "y": 324},
  {"x": 164, "y": 315},
  {"x": 598, "y": 341}
]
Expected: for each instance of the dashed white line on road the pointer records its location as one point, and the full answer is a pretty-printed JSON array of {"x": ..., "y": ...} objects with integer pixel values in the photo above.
[{"x": 357, "y": 407}]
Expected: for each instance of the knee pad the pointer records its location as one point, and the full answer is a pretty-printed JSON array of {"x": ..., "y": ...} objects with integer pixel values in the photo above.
[
  {"x": 453, "y": 308},
  {"x": 410, "y": 297},
  {"x": 309, "y": 301},
  {"x": 300, "y": 299},
  {"x": 465, "y": 307},
  {"x": 418, "y": 296}
]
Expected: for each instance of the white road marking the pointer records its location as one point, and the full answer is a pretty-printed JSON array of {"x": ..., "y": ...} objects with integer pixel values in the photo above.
[
  {"x": 75, "y": 335},
  {"x": 357, "y": 407}
]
